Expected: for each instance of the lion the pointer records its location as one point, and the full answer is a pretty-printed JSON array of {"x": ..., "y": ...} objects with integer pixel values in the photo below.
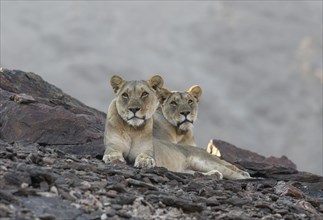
[
  {"x": 129, "y": 122},
  {"x": 128, "y": 135},
  {"x": 175, "y": 117}
]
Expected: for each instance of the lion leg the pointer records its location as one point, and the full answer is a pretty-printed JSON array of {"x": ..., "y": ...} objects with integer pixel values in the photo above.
[
  {"x": 217, "y": 173},
  {"x": 231, "y": 166},
  {"x": 208, "y": 163},
  {"x": 209, "y": 173},
  {"x": 144, "y": 160},
  {"x": 110, "y": 156}
]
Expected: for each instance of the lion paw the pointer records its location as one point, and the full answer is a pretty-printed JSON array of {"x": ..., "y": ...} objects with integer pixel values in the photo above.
[
  {"x": 245, "y": 174},
  {"x": 144, "y": 161},
  {"x": 114, "y": 156},
  {"x": 217, "y": 173}
]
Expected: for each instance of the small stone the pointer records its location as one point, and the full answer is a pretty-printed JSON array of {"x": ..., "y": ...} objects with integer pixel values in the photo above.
[
  {"x": 112, "y": 193},
  {"x": 9, "y": 149},
  {"x": 110, "y": 212},
  {"x": 124, "y": 200},
  {"x": 99, "y": 184},
  {"x": 123, "y": 214},
  {"x": 104, "y": 216},
  {"x": 24, "y": 185},
  {"x": 6, "y": 209},
  {"x": 85, "y": 185},
  {"x": 22, "y": 98},
  {"x": 282, "y": 188},
  {"x": 91, "y": 201},
  {"x": 46, "y": 194},
  {"x": 116, "y": 206},
  {"x": 75, "y": 194},
  {"x": 48, "y": 160},
  {"x": 54, "y": 190},
  {"x": 47, "y": 217},
  {"x": 3, "y": 168},
  {"x": 78, "y": 206},
  {"x": 85, "y": 160},
  {"x": 307, "y": 206}
]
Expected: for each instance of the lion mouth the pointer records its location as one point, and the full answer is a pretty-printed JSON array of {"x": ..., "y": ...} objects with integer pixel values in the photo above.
[
  {"x": 136, "y": 117},
  {"x": 184, "y": 121}
]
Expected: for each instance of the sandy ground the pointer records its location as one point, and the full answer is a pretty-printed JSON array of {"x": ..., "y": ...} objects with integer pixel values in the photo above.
[{"x": 259, "y": 64}]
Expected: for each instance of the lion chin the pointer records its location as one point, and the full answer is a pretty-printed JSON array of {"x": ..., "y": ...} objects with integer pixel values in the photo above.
[
  {"x": 136, "y": 122},
  {"x": 186, "y": 126}
]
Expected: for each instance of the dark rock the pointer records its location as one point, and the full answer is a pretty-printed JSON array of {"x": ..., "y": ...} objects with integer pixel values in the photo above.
[
  {"x": 179, "y": 177},
  {"x": 17, "y": 178},
  {"x": 7, "y": 197},
  {"x": 51, "y": 168},
  {"x": 283, "y": 188},
  {"x": 41, "y": 206},
  {"x": 234, "y": 154},
  {"x": 259, "y": 166},
  {"x": 179, "y": 203},
  {"x": 118, "y": 187},
  {"x": 154, "y": 178},
  {"x": 123, "y": 214},
  {"x": 36, "y": 111},
  {"x": 124, "y": 200},
  {"x": 236, "y": 201},
  {"x": 133, "y": 182}
]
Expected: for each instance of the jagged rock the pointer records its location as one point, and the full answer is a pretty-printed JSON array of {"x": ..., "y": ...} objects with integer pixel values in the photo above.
[
  {"x": 35, "y": 111},
  {"x": 234, "y": 154},
  {"x": 259, "y": 166},
  {"x": 46, "y": 172}
]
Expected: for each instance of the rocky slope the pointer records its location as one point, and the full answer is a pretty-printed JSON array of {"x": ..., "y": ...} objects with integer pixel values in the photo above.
[
  {"x": 50, "y": 168},
  {"x": 259, "y": 63}
]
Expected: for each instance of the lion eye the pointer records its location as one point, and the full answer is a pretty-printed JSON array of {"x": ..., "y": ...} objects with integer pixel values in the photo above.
[
  {"x": 190, "y": 101},
  {"x": 125, "y": 95},
  {"x": 144, "y": 94},
  {"x": 173, "y": 103}
]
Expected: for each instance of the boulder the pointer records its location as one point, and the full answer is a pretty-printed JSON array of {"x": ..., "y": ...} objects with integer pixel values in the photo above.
[{"x": 32, "y": 110}]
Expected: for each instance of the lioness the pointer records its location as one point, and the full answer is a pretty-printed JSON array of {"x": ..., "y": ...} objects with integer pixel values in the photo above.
[
  {"x": 174, "y": 119},
  {"x": 173, "y": 122},
  {"x": 128, "y": 134},
  {"x": 129, "y": 123}
]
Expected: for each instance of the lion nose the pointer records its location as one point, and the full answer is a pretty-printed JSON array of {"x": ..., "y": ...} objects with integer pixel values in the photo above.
[
  {"x": 134, "y": 110},
  {"x": 185, "y": 113}
]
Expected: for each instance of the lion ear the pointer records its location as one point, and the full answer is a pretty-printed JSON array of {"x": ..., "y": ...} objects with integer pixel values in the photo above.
[
  {"x": 116, "y": 83},
  {"x": 195, "y": 91},
  {"x": 156, "y": 82},
  {"x": 163, "y": 95}
]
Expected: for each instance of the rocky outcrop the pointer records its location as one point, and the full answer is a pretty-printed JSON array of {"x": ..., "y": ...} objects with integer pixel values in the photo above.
[
  {"x": 266, "y": 167},
  {"x": 35, "y": 111},
  {"x": 50, "y": 168}
]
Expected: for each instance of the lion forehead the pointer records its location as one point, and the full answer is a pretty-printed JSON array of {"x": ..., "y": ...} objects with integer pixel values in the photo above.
[{"x": 136, "y": 87}]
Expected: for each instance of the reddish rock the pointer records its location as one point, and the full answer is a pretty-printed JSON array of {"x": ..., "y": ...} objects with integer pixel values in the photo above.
[{"x": 283, "y": 188}]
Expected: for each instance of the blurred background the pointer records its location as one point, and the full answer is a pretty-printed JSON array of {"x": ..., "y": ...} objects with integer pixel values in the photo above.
[{"x": 259, "y": 63}]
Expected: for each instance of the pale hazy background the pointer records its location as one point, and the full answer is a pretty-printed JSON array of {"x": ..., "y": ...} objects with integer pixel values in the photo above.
[{"x": 259, "y": 63}]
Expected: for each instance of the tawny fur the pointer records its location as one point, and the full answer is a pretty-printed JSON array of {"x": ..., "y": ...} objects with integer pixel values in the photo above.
[{"x": 132, "y": 140}]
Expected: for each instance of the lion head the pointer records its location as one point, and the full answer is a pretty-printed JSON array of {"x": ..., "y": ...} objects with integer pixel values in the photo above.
[
  {"x": 180, "y": 108},
  {"x": 136, "y": 101}
]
